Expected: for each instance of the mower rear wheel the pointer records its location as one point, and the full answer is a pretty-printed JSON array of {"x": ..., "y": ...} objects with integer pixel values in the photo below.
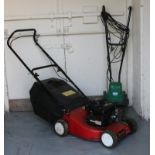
[
  {"x": 61, "y": 128},
  {"x": 109, "y": 139},
  {"x": 132, "y": 124}
]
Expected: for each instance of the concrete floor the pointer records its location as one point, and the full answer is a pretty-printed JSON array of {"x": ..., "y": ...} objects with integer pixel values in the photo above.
[{"x": 27, "y": 134}]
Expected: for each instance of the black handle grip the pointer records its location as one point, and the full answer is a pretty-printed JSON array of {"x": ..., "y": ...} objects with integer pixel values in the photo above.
[
  {"x": 129, "y": 15},
  {"x": 21, "y": 30},
  {"x": 103, "y": 8},
  {"x": 130, "y": 8}
]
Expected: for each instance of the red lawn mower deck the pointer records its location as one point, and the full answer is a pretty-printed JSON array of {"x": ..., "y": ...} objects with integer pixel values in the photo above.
[{"x": 75, "y": 123}]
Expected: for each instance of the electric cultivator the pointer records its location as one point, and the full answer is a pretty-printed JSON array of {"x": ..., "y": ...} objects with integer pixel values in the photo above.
[{"x": 68, "y": 108}]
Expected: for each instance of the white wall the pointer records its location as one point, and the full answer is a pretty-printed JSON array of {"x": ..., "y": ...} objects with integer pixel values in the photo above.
[
  {"x": 81, "y": 52},
  {"x": 141, "y": 57},
  {"x": 6, "y": 99},
  {"x": 146, "y": 60}
]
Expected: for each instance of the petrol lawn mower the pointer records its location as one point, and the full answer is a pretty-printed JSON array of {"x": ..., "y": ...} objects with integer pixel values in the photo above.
[{"x": 69, "y": 110}]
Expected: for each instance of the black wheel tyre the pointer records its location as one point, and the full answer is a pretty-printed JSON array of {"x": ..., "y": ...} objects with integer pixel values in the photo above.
[
  {"x": 104, "y": 95},
  {"x": 109, "y": 139},
  {"x": 61, "y": 128},
  {"x": 132, "y": 124},
  {"x": 126, "y": 101}
]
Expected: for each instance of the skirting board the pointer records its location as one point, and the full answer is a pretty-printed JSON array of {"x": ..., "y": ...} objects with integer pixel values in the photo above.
[
  {"x": 20, "y": 105},
  {"x": 25, "y": 104}
]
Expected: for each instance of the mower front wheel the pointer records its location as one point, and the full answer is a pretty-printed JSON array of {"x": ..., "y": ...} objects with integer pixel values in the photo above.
[
  {"x": 109, "y": 139},
  {"x": 61, "y": 128}
]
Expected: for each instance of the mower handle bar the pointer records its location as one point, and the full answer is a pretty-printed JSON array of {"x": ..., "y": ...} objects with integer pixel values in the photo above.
[{"x": 41, "y": 67}]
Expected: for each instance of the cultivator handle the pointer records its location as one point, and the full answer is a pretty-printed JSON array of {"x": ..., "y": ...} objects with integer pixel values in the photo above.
[
  {"x": 103, "y": 8},
  {"x": 129, "y": 15}
]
